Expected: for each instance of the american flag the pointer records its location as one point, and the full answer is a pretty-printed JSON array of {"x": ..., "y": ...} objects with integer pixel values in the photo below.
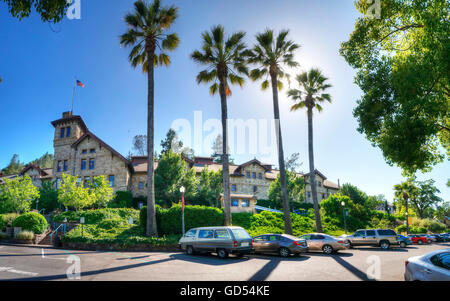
[{"x": 80, "y": 84}]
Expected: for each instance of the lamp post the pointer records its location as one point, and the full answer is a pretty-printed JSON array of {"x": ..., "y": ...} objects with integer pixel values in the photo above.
[
  {"x": 407, "y": 223},
  {"x": 345, "y": 216},
  {"x": 182, "y": 189},
  {"x": 37, "y": 203}
]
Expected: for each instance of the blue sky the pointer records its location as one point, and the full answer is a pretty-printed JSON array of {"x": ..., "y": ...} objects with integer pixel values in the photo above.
[{"x": 38, "y": 66}]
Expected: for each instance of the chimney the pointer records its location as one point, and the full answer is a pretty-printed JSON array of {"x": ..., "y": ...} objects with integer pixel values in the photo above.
[{"x": 66, "y": 114}]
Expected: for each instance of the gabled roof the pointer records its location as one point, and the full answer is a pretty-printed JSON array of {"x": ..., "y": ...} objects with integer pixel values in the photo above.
[
  {"x": 102, "y": 143},
  {"x": 254, "y": 161},
  {"x": 317, "y": 172},
  {"x": 32, "y": 166}
]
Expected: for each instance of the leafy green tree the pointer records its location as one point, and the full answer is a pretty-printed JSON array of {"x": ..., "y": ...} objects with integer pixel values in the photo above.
[
  {"x": 171, "y": 174},
  {"x": 102, "y": 193},
  {"x": 270, "y": 55},
  {"x": 426, "y": 197},
  {"x": 70, "y": 194},
  {"x": 140, "y": 145},
  {"x": 17, "y": 194},
  {"x": 354, "y": 193},
  {"x": 50, "y": 11},
  {"x": 404, "y": 192},
  {"x": 209, "y": 188},
  {"x": 310, "y": 95},
  {"x": 295, "y": 187},
  {"x": 147, "y": 33},
  {"x": 225, "y": 61},
  {"x": 48, "y": 196},
  {"x": 45, "y": 161},
  {"x": 442, "y": 211},
  {"x": 402, "y": 60},
  {"x": 14, "y": 166}
]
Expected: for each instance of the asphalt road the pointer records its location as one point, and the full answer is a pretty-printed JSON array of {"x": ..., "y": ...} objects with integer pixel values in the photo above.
[{"x": 364, "y": 263}]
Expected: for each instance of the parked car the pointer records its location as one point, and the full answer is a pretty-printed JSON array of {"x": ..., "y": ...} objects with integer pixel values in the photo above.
[
  {"x": 383, "y": 238},
  {"x": 325, "y": 243},
  {"x": 281, "y": 244},
  {"x": 430, "y": 238},
  {"x": 434, "y": 266},
  {"x": 404, "y": 241},
  {"x": 418, "y": 239},
  {"x": 220, "y": 240},
  {"x": 438, "y": 238},
  {"x": 446, "y": 237}
]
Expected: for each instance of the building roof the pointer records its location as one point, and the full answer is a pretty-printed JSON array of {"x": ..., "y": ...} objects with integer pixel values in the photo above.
[
  {"x": 139, "y": 163},
  {"x": 239, "y": 196},
  {"x": 102, "y": 143},
  {"x": 32, "y": 166},
  {"x": 69, "y": 118}
]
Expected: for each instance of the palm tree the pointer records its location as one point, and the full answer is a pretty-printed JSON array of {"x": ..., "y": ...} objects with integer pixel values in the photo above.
[
  {"x": 405, "y": 191},
  {"x": 269, "y": 55},
  {"x": 225, "y": 62},
  {"x": 147, "y": 35},
  {"x": 310, "y": 94}
]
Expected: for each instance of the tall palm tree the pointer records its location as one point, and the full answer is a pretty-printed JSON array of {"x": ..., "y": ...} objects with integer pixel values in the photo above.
[
  {"x": 225, "y": 63},
  {"x": 310, "y": 94},
  {"x": 147, "y": 35},
  {"x": 405, "y": 191},
  {"x": 269, "y": 55}
]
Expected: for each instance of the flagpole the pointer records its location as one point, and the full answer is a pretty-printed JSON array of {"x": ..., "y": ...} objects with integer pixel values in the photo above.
[{"x": 73, "y": 98}]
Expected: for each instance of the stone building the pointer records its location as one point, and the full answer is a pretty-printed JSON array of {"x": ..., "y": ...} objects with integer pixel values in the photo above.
[{"x": 77, "y": 151}]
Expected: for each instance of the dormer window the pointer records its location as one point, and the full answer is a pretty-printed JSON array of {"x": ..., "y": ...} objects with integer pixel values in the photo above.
[{"x": 62, "y": 132}]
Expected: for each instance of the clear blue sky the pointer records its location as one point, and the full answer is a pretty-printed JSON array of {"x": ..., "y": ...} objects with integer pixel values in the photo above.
[{"x": 38, "y": 68}]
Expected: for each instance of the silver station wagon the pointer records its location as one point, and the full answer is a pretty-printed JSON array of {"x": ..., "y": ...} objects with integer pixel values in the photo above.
[{"x": 221, "y": 240}]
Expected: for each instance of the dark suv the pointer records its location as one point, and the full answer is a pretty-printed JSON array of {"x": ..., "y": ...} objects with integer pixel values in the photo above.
[{"x": 383, "y": 238}]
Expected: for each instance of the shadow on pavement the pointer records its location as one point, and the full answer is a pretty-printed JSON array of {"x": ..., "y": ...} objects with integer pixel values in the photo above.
[
  {"x": 390, "y": 250},
  {"x": 208, "y": 259},
  {"x": 269, "y": 267},
  {"x": 352, "y": 269},
  {"x": 339, "y": 254},
  {"x": 90, "y": 273}
]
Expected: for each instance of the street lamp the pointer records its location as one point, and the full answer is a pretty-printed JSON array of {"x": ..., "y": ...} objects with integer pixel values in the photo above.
[
  {"x": 345, "y": 219},
  {"x": 182, "y": 189},
  {"x": 37, "y": 203},
  {"x": 407, "y": 223}
]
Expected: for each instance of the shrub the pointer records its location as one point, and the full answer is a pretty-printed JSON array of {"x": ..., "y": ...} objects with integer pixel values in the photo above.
[
  {"x": 31, "y": 221},
  {"x": 7, "y": 219},
  {"x": 122, "y": 199},
  {"x": 111, "y": 223},
  {"x": 143, "y": 217},
  {"x": 24, "y": 235},
  {"x": 3, "y": 235},
  {"x": 96, "y": 216},
  {"x": 242, "y": 219},
  {"x": 401, "y": 229}
]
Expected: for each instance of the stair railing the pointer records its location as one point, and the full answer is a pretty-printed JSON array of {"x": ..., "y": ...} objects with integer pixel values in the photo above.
[{"x": 63, "y": 229}]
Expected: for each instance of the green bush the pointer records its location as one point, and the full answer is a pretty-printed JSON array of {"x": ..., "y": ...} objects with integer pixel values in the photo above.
[
  {"x": 143, "y": 217},
  {"x": 111, "y": 223},
  {"x": 3, "y": 236},
  {"x": 418, "y": 230},
  {"x": 24, "y": 235},
  {"x": 401, "y": 229},
  {"x": 31, "y": 221},
  {"x": 241, "y": 219},
  {"x": 7, "y": 219},
  {"x": 122, "y": 199},
  {"x": 96, "y": 216}
]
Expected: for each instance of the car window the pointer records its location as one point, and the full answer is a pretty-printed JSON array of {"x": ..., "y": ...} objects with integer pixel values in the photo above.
[
  {"x": 273, "y": 237},
  {"x": 320, "y": 237},
  {"x": 259, "y": 238},
  {"x": 222, "y": 233},
  {"x": 206, "y": 234},
  {"x": 371, "y": 233},
  {"x": 386, "y": 232},
  {"x": 441, "y": 260},
  {"x": 359, "y": 233},
  {"x": 240, "y": 233},
  {"x": 191, "y": 233},
  {"x": 307, "y": 236}
]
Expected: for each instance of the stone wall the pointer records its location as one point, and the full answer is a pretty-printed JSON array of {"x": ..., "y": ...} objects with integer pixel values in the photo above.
[
  {"x": 246, "y": 185},
  {"x": 134, "y": 187}
]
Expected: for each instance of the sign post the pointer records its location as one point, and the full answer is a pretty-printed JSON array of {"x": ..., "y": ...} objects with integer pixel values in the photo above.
[
  {"x": 345, "y": 212},
  {"x": 82, "y": 225}
]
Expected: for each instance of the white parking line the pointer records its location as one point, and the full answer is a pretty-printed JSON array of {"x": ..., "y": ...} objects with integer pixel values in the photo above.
[{"x": 12, "y": 270}]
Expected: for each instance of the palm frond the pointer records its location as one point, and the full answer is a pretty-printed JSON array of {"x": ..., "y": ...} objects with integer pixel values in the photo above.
[{"x": 170, "y": 42}]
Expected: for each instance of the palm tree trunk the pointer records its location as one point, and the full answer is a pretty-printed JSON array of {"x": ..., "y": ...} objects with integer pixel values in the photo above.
[
  {"x": 407, "y": 216},
  {"x": 312, "y": 174},
  {"x": 151, "y": 214},
  {"x": 284, "y": 194},
  {"x": 225, "y": 162}
]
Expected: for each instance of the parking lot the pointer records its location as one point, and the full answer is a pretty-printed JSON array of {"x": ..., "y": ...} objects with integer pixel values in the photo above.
[{"x": 364, "y": 263}]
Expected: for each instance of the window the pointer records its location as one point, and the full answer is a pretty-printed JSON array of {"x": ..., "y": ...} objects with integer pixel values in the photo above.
[
  {"x": 319, "y": 183},
  {"x": 141, "y": 185},
  {"x": 441, "y": 260},
  {"x": 273, "y": 237},
  {"x": 83, "y": 164},
  {"x": 62, "y": 133},
  {"x": 84, "y": 151},
  {"x": 254, "y": 175},
  {"x": 245, "y": 203},
  {"x": 111, "y": 181},
  {"x": 59, "y": 166},
  {"x": 222, "y": 233},
  {"x": 66, "y": 165},
  {"x": 360, "y": 233},
  {"x": 68, "y": 132},
  {"x": 191, "y": 233},
  {"x": 248, "y": 175},
  {"x": 307, "y": 236},
  {"x": 386, "y": 232},
  {"x": 233, "y": 187},
  {"x": 234, "y": 203},
  {"x": 260, "y": 238},
  {"x": 255, "y": 188},
  {"x": 78, "y": 181},
  {"x": 86, "y": 182},
  {"x": 260, "y": 176},
  {"x": 92, "y": 150},
  {"x": 206, "y": 234},
  {"x": 91, "y": 163},
  {"x": 308, "y": 194},
  {"x": 240, "y": 233},
  {"x": 371, "y": 233},
  {"x": 58, "y": 182}
]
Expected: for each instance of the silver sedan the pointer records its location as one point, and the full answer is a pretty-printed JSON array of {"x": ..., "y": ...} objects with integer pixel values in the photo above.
[
  {"x": 325, "y": 243},
  {"x": 434, "y": 266}
]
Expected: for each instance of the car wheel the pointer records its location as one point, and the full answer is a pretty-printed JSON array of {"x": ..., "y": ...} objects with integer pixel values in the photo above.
[
  {"x": 189, "y": 250},
  {"x": 350, "y": 246},
  {"x": 403, "y": 244},
  {"x": 384, "y": 245},
  {"x": 284, "y": 252},
  {"x": 327, "y": 249},
  {"x": 420, "y": 242},
  {"x": 222, "y": 253}
]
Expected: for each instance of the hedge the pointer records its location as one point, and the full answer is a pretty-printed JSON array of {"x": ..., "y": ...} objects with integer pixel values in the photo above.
[
  {"x": 96, "y": 216},
  {"x": 31, "y": 221},
  {"x": 7, "y": 219}
]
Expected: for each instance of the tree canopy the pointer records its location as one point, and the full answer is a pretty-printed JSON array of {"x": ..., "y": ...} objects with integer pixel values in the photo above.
[
  {"x": 403, "y": 65},
  {"x": 50, "y": 10}
]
